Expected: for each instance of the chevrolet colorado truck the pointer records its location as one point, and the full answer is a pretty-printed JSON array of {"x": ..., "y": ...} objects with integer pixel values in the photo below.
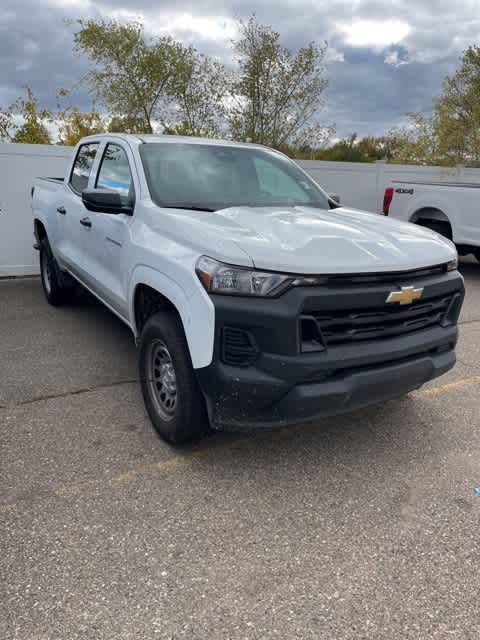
[
  {"x": 449, "y": 208},
  {"x": 255, "y": 299}
]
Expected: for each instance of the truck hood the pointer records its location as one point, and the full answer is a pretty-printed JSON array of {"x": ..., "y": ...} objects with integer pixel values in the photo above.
[{"x": 342, "y": 240}]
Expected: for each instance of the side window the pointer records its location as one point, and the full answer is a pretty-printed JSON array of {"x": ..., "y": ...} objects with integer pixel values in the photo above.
[
  {"x": 273, "y": 180},
  {"x": 114, "y": 172},
  {"x": 83, "y": 165}
]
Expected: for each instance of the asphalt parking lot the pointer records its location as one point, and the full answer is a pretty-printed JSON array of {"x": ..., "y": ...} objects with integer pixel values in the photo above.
[{"x": 364, "y": 526}]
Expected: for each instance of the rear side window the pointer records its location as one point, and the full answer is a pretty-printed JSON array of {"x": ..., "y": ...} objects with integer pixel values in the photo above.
[
  {"x": 83, "y": 165},
  {"x": 114, "y": 172}
]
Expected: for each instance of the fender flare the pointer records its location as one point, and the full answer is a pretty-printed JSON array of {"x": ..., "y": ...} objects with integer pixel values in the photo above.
[{"x": 196, "y": 312}]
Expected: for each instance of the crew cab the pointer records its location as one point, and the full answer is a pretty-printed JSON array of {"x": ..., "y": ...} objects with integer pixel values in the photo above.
[
  {"x": 449, "y": 208},
  {"x": 255, "y": 299}
]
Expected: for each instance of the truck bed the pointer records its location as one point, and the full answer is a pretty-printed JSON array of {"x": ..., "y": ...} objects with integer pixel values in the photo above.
[
  {"x": 449, "y": 208},
  {"x": 467, "y": 185}
]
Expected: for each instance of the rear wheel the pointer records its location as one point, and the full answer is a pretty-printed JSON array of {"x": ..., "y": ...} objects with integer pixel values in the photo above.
[
  {"x": 170, "y": 390},
  {"x": 55, "y": 291},
  {"x": 435, "y": 220},
  {"x": 440, "y": 226}
]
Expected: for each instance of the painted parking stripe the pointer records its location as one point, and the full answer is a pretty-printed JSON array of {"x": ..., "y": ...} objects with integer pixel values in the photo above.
[
  {"x": 450, "y": 386},
  {"x": 178, "y": 461}
]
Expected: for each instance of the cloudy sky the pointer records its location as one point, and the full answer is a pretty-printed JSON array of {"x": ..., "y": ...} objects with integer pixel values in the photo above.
[{"x": 385, "y": 57}]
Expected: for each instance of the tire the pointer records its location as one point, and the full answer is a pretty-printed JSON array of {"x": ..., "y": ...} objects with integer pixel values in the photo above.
[
  {"x": 55, "y": 292},
  {"x": 172, "y": 397}
]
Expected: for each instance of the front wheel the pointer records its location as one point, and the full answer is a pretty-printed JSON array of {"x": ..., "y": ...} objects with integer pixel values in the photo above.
[{"x": 170, "y": 390}]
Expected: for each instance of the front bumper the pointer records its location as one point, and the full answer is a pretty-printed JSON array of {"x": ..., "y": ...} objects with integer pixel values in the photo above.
[{"x": 284, "y": 386}]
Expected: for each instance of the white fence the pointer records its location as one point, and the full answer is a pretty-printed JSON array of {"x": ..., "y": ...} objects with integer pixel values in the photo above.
[
  {"x": 19, "y": 165},
  {"x": 358, "y": 185}
]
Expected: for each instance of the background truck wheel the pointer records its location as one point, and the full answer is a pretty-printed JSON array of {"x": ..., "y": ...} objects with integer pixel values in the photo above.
[
  {"x": 170, "y": 390},
  {"x": 56, "y": 293}
]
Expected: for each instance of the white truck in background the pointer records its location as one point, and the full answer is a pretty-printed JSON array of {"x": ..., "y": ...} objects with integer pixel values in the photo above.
[{"x": 449, "y": 208}]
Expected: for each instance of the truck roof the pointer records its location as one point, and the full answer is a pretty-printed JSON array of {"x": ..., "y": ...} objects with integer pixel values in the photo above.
[{"x": 152, "y": 138}]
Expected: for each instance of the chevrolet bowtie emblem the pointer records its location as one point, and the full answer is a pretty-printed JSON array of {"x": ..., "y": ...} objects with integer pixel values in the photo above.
[{"x": 406, "y": 296}]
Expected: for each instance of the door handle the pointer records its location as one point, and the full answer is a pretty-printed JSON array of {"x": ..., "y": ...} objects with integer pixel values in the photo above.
[
  {"x": 62, "y": 210},
  {"x": 86, "y": 222}
]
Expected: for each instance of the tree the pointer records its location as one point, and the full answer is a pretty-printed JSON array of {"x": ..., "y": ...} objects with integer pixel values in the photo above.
[
  {"x": 457, "y": 112},
  {"x": 125, "y": 124},
  {"x": 134, "y": 78},
  {"x": 7, "y": 125},
  {"x": 345, "y": 150},
  {"x": 353, "y": 149},
  {"x": 74, "y": 124},
  {"x": 416, "y": 142},
  {"x": 450, "y": 135},
  {"x": 277, "y": 93},
  {"x": 23, "y": 121},
  {"x": 310, "y": 142},
  {"x": 200, "y": 93}
]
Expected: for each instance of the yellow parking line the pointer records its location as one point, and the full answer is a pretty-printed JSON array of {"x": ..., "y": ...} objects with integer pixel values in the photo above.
[
  {"x": 450, "y": 386},
  {"x": 172, "y": 463},
  {"x": 7, "y": 507}
]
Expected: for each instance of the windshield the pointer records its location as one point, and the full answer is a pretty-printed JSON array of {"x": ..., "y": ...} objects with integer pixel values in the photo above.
[{"x": 211, "y": 177}]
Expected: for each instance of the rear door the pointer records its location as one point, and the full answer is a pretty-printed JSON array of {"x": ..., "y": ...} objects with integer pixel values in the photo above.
[
  {"x": 72, "y": 216},
  {"x": 105, "y": 263}
]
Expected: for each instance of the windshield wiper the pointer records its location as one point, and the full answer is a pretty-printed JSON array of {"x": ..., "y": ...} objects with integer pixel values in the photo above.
[{"x": 186, "y": 207}]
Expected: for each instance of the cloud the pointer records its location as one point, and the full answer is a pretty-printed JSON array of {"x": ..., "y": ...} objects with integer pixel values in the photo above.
[
  {"x": 395, "y": 58},
  {"x": 376, "y": 34},
  {"x": 187, "y": 25},
  {"x": 333, "y": 55}
]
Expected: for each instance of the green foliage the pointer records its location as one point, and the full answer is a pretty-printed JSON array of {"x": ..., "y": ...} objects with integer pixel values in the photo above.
[
  {"x": 143, "y": 82},
  {"x": 7, "y": 125},
  {"x": 146, "y": 84},
  {"x": 131, "y": 75},
  {"x": 125, "y": 124},
  {"x": 351, "y": 149},
  {"x": 74, "y": 124},
  {"x": 277, "y": 93},
  {"x": 200, "y": 98},
  {"x": 310, "y": 143},
  {"x": 23, "y": 121},
  {"x": 416, "y": 142},
  {"x": 450, "y": 135},
  {"x": 272, "y": 97},
  {"x": 367, "y": 149},
  {"x": 457, "y": 112}
]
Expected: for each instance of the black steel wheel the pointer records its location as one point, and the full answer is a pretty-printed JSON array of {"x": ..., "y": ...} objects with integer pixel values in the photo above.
[{"x": 173, "y": 399}]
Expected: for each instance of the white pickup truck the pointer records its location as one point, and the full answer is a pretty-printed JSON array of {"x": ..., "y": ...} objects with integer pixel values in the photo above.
[
  {"x": 255, "y": 299},
  {"x": 449, "y": 208}
]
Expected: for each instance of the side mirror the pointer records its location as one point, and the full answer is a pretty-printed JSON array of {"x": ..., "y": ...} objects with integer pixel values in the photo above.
[
  {"x": 105, "y": 201},
  {"x": 334, "y": 197}
]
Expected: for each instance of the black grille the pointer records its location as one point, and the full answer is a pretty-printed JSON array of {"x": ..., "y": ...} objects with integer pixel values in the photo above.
[
  {"x": 353, "y": 325},
  {"x": 238, "y": 347},
  {"x": 392, "y": 276}
]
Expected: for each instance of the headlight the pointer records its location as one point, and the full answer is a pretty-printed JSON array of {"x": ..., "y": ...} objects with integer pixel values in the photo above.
[
  {"x": 453, "y": 264},
  {"x": 218, "y": 277}
]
